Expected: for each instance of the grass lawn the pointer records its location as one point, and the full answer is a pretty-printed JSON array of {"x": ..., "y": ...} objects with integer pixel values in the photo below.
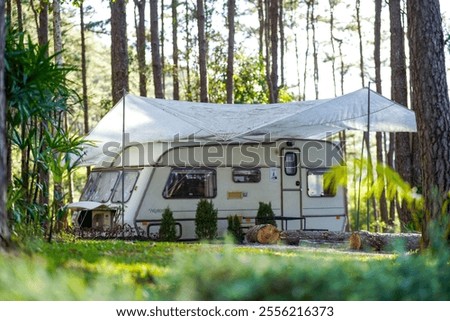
[{"x": 121, "y": 270}]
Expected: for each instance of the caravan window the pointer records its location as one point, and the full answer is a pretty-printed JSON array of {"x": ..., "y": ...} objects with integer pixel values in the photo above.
[
  {"x": 290, "y": 163},
  {"x": 246, "y": 175},
  {"x": 129, "y": 183},
  {"x": 316, "y": 186},
  {"x": 100, "y": 186},
  {"x": 190, "y": 183}
]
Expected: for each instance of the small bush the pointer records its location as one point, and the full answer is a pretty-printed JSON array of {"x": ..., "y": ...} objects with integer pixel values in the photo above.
[
  {"x": 265, "y": 214},
  {"x": 167, "y": 230},
  {"x": 206, "y": 220},
  {"x": 234, "y": 228}
]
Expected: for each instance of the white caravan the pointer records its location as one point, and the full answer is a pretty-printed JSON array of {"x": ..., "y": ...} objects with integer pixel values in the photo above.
[
  {"x": 150, "y": 154},
  {"x": 235, "y": 177}
]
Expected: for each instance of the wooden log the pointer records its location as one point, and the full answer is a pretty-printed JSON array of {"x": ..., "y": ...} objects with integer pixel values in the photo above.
[
  {"x": 361, "y": 240},
  {"x": 386, "y": 241},
  {"x": 263, "y": 233},
  {"x": 294, "y": 237}
]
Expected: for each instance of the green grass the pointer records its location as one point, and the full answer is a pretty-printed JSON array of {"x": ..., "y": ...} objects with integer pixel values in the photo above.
[{"x": 121, "y": 270}]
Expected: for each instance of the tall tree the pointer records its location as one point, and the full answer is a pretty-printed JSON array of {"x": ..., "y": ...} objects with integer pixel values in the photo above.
[
  {"x": 187, "y": 52},
  {"x": 140, "y": 46},
  {"x": 156, "y": 55},
  {"x": 57, "y": 32},
  {"x": 119, "y": 49},
  {"x": 332, "y": 4},
  {"x": 359, "y": 30},
  {"x": 175, "y": 56},
  {"x": 62, "y": 122},
  {"x": 261, "y": 19},
  {"x": 163, "y": 54},
  {"x": 5, "y": 236},
  {"x": 19, "y": 15},
  {"x": 203, "y": 51},
  {"x": 84, "y": 71},
  {"x": 41, "y": 18},
  {"x": 281, "y": 19},
  {"x": 315, "y": 53},
  {"x": 230, "y": 57},
  {"x": 399, "y": 93},
  {"x": 431, "y": 102},
  {"x": 379, "y": 136},
  {"x": 273, "y": 25}
]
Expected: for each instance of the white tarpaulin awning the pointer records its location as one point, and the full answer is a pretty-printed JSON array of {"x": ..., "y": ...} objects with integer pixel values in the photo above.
[{"x": 158, "y": 120}]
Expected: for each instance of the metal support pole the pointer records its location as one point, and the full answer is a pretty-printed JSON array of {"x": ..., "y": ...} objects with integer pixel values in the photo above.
[
  {"x": 369, "y": 157},
  {"x": 123, "y": 162}
]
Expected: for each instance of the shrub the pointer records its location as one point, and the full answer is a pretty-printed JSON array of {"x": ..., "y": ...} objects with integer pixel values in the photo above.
[
  {"x": 265, "y": 214},
  {"x": 206, "y": 220},
  {"x": 234, "y": 228},
  {"x": 167, "y": 230}
]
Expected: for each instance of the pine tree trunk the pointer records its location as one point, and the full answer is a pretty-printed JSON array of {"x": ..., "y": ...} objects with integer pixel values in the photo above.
[
  {"x": 273, "y": 22},
  {"x": 315, "y": 53},
  {"x": 202, "y": 49},
  {"x": 399, "y": 94},
  {"x": 282, "y": 43},
  {"x": 230, "y": 58},
  {"x": 5, "y": 236},
  {"x": 379, "y": 137},
  {"x": 305, "y": 71},
  {"x": 361, "y": 56},
  {"x": 189, "y": 94},
  {"x": 84, "y": 71},
  {"x": 43, "y": 174},
  {"x": 119, "y": 49},
  {"x": 156, "y": 55},
  {"x": 431, "y": 103},
  {"x": 8, "y": 10},
  {"x": 261, "y": 29},
  {"x": 162, "y": 37},
  {"x": 140, "y": 47},
  {"x": 175, "y": 71},
  {"x": 333, "y": 49},
  {"x": 19, "y": 15},
  {"x": 43, "y": 23}
]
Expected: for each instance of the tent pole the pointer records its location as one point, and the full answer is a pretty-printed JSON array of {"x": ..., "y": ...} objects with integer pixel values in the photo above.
[{"x": 123, "y": 163}]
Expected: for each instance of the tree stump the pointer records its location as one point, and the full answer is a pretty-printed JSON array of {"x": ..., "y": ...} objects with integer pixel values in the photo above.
[{"x": 264, "y": 234}]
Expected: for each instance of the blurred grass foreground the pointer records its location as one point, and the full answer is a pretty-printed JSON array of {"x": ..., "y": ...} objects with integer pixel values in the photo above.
[{"x": 120, "y": 270}]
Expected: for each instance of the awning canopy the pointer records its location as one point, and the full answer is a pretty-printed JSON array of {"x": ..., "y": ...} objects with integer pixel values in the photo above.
[{"x": 158, "y": 120}]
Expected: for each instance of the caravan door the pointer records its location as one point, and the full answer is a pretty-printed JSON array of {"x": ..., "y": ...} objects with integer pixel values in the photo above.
[{"x": 291, "y": 188}]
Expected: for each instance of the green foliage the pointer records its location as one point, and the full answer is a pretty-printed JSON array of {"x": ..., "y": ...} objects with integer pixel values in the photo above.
[
  {"x": 234, "y": 228},
  {"x": 250, "y": 84},
  {"x": 235, "y": 276},
  {"x": 167, "y": 230},
  {"x": 206, "y": 220},
  {"x": 38, "y": 95},
  {"x": 374, "y": 181},
  {"x": 265, "y": 214},
  {"x": 122, "y": 270}
]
